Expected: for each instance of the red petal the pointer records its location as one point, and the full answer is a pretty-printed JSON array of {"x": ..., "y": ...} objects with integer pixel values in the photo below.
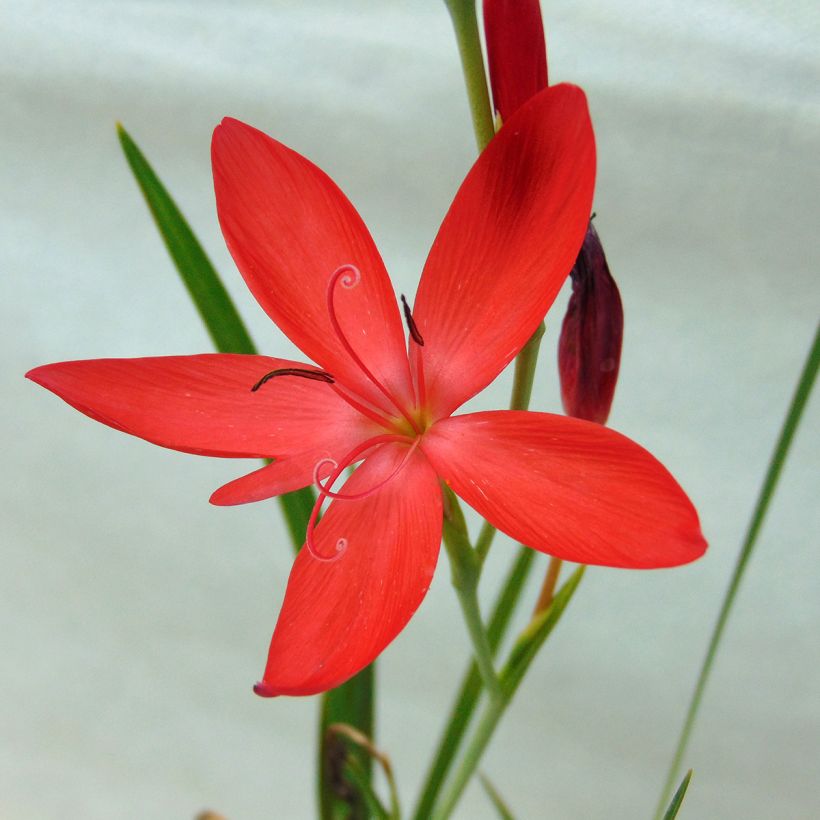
[
  {"x": 283, "y": 476},
  {"x": 506, "y": 245},
  {"x": 288, "y": 228},
  {"x": 516, "y": 52},
  {"x": 567, "y": 487},
  {"x": 339, "y": 615},
  {"x": 204, "y": 404}
]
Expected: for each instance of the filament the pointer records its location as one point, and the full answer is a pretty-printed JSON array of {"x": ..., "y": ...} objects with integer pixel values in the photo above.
[
  {"x": 349, "y": 276},
  {"x": 338, "y": 467},
  {"x": 366, "y": 409}
]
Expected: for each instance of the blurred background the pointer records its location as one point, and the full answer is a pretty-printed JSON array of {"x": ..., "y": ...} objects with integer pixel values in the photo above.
[{"x": 136, "y": 617}]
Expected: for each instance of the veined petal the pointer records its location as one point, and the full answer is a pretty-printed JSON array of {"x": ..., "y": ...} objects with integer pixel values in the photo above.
[
  {"x": 203, "y": 404},
  {"x": 283, "y": 476},
  {"x": 567, "y": 487},
  {"x": 289, "y": 228},
  {"x": 337, "y": 616},
  {"x": 506, "y": 245}
]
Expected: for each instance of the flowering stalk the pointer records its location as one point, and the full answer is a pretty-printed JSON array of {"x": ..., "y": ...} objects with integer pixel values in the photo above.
[
  {"x": 521, "y": 656},
  {"x": 465, "y": 24}
]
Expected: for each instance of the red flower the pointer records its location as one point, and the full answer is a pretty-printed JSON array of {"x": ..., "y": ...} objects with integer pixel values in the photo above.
[{"x": 562, "y": 486}]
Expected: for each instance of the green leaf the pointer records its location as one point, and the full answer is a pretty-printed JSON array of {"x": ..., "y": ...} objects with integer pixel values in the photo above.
[
  {"x": 536, "y": 632},
  {"x": 495, "y": 798},
  {"x": 799, "y": 400},
  {"x": 201, "y": 279},
  {"x": 677, "y": 799},
  {"x": 208, "y": 294},
  {"x": 350, "y": 703}
]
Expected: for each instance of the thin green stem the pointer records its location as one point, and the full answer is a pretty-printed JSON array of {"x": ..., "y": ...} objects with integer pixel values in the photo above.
[
  {"x": 493, "y": 713},
  {"x": 485, "y": 540},
  {"x": 525, "y": 371},
  {"x": 466, "y": 571},
  {"x": 521, "y": 656},
  {"x": 465, "y": 24},
  {"x": 467, "y": 699},
  {"x": 798, "y": 404}
]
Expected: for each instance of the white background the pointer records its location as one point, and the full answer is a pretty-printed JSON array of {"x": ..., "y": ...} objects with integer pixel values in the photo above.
[{"x": 136, "y": 616}]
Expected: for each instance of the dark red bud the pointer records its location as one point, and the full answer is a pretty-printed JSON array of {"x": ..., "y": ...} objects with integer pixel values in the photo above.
[
  {"x": 589, "y": 350},
  {"x": 516, "y": 52}
]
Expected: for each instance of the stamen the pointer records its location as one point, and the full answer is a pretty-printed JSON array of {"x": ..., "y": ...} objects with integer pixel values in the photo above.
[
  {"x": 316, "y": 375},
  {"x": 411, "y": 324},
  {"x": 354, "y": 455},
  {"x": 365, "y": 408},
  {"x": 349, "y": 276}
]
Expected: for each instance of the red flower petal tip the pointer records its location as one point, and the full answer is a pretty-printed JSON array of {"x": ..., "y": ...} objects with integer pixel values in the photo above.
[{"x": 264, "y": 690}]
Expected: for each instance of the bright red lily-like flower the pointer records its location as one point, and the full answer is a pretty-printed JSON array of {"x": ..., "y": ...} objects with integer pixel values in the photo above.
[{"x": 573, "y": 489}]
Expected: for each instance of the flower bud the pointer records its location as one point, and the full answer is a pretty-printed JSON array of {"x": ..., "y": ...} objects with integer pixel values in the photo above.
[
  {"x": 589, "y": 350},
  {"x": 516, "y": 52}
]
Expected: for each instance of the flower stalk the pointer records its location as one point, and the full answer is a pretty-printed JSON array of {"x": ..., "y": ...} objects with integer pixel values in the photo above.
[
  {"x": 466, "y": 572},
  {"x": 521, "y": 656},
  {"x": 465, "y": 24}
]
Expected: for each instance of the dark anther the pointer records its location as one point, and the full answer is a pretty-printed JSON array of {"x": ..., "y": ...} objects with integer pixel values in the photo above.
[
  {"x": 316, "y": 375},
  {"x": 593, "y": 216},
  {"x": 411, "y": 325}
]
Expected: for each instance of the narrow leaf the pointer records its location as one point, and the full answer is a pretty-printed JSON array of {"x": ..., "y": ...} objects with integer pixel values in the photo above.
[
  {"x": 495, "y": 798},
  {"x": 677, "y": 799},
  {"x": 201, "y": 279},
  {"x": 208, "y": 294},
  {"x": 536, "y": 632},
  {"x": 795, "y": 412},
  {"x": 350, "y": 703}
]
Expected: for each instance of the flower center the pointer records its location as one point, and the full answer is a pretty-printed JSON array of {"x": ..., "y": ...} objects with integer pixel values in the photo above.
[{"x": 405, "y": 425}]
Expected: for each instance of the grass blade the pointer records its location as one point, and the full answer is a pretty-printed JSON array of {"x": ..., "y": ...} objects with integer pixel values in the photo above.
[
  {"x": 677, "y": 799},
  {"x": 781, "y": 450},
  {"x": 222, "y": 321}
]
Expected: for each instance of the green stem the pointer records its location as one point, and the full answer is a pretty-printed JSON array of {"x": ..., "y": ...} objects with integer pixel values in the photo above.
[
  {"x": 465, "y": 24},
  {"x": 466, "y": 571},
  {"x": 493, "y": 713},
  {"x": 798, "y": 404},
  {"x": 465, "y": 703},
  {"x": 525, "y": 371},
  {"x": 521, "y": 656},
  {"x": 485, "y": 540}
]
